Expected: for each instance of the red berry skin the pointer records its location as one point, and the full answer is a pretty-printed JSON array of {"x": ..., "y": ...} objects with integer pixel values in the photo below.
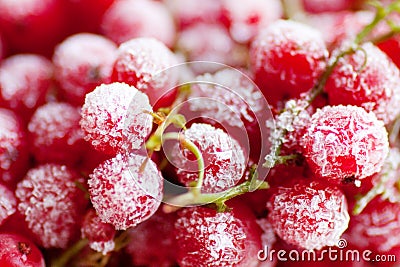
[
  {"x": 82, "y": 62},
  {"x": 391, "y": 47},
  {"x": 25, "y": 81},
  {"x": 52, "y": 204},
  {"x": 14, "y": 160},
  {"x": 129, "y": 19},
  {"x": 310, "y": 215},
  {"x": 17, "y": 251},
  {"x": 33, "y": 26},
  {"x": 344, "y": 144},
  {"x": 141, "y": 62},
  {"x": 368, "y": 79},
  {"x": 207, "y": 238},
  {"x": 287, "y": 58},
  {"x": 318, "y": 6},
  {"x": 152, "y": 243},
  {"x": 55, "y": 135}
]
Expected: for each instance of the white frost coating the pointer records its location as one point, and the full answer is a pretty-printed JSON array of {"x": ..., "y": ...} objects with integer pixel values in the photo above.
[
  {"x": 55, "y": 121},
  {"x": 231, "y": 102},
  {"x": 224, "y": 158},
  {"x": 309, "y": 215},
  {"x": 103, "y": 247},
  {"x": 9, "y": 138},
  {"x": 121, "y": 194},
  {"x": 48, "y": 200},
  {"x": 146, "y": 58},
  {"x": 268, "y": 237},
  {"x": 22, "y": 8},
  {"x": 369, "y": 79},
  {"x": 221, "y": 238},
  {"x": 345, "y": 141},
  {"x": 8, "y": 203},
  {"x": 113, "y": 116}
]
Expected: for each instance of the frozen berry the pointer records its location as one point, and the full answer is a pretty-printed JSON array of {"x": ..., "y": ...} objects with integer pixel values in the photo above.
[
  {"x": 100, "y": 235},
  {"x": 55, "y": 134},
  {"x": 14, "y": 160},
  {"x": 246, "y": 20},
  {"x": 52, "y": 204},
  {"x": 8, "y": 203},
  {"x": 32, "y": 25},
  {"x": 126, "y": 190},
  {"x": 152, "y": 243},
  {"x": 310, "y": 215},
  {"x": 16, "y": 250},
  {"x": 224, "y": 159},
  {"x": 82, "y": 62},
  {"x": 368, "y": 79},
  {"x": 142, "y": 63},
  {"x": 209, "y": 238},
  {"x": 287, "y": 58},
  {"x": 129, "y": 19},
  {"x": 114, "y": 118},
  {"x": 345, "y": 143},
  {"x": 25, "y": 80}
]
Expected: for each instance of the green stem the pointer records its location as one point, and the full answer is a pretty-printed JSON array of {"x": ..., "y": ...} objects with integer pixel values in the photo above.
[{"x": 69, "y": 253}]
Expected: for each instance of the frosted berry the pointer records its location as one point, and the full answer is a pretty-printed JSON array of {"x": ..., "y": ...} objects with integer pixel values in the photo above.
[
  {"x": 124, "y": 192},
  {"x": 224, "y": 159},
  {"x": 25, "y": 80},
  {"x": 345, "y": 143},
  {"x": 82, "y": 62},
  {"x": 52, "y": 204},
  {"x": 377, "y": 227},
  {"x": 245, "y": 21},
  {"x": 152, "y": 243},
  {"x": 113, "y": 118},
  {"x": 208, "y": 238},
  {"x": 310, "y": 215},
  {"x": 8, "y": 203},
  {"x": 369, "y": 79},
  {"x": 100, "y": 235},
  {"x": 287, "y": 58},
  {"x": 129, "y": 19},
  {"x": 141, "y": 62},
  {"x": 14, "y": 160},
  {"x": 16, "y": 250},
  {"x": 55, "y": 134},
  {"x": 33, "y": 26}
]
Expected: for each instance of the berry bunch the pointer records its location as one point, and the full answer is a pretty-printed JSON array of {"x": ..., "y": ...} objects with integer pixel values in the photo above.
[{"x": 116, "y": 150}]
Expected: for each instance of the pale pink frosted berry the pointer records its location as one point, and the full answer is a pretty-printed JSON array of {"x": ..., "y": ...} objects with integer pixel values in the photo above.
[
  {"x": 52, "y": 204},
  {"x": 142, "y": 62},
  {"x": 310, "y": 215},
  {"x": 223, "y": 157},
  {"x": 114, "y": 118},
  {"x": 100, "y": 235},
  {"x": 124, "y": 191},
  {"x": 345, "y": 143},
  {"x": 8, "y": 203}
]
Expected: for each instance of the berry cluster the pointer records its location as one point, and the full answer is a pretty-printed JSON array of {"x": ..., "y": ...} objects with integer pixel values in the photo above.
[{"x": 198, "y": 133}]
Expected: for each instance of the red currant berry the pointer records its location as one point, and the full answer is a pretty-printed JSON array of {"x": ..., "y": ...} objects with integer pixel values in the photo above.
[
  {"x": 310, "y": 215},
  {"x": 206, "y": 237},
  {"x": 287, "y": 59},
  {"x": 141, "y": 62},
  {"x": 368, "y": 79},
  {"x": 319, "y": 6},
  {"x": 52, "y": 204},
  {"x": 224, "y": 159},
  {"x": 100, "y": 235},
  {"x": 129, "y": 19},
  {"x": 25, "y": 80},
  {"x": 55, "y": 134},
  {"x": 8, "y": 203},
  {"x": 345, "y": 143},
  {"x": 82, "y": 62},
  {"x": 14, "y": 160},
  {"x": 16, "y": 250},
  {"x": 126, "y": 190},
  {"x": 113, "y": 118}
]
